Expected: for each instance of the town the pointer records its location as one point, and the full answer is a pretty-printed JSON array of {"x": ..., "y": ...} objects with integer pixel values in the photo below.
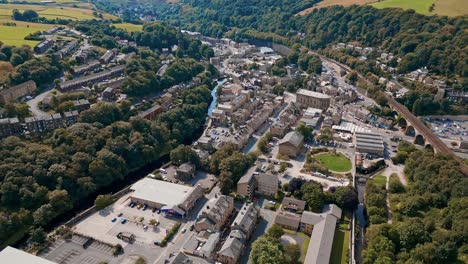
[
  {"x": 178, "y": 214},
  {"x": 169, "y": 146}
]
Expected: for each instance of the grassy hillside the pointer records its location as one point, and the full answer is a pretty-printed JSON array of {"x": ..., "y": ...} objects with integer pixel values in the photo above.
[
  {"x": 420, "y": 6},
  {"x": 129, "y": 27},
  {"x": 451, "y": 7},
  {"x": 14, "y": 35},
  {"x": 441, "y": 7}
]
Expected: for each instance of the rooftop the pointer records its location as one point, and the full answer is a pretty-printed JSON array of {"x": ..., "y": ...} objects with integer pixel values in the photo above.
[
  {"x": 312, "y": 94},
  {"x": 292, "y": 203},
  {"x": 13, "y": 255},
  {"x": 161, "y": 191},
  {"x": 293, "y": 137}
]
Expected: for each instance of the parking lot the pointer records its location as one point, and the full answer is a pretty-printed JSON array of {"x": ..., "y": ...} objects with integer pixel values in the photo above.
[{"x": 106, "y": 224}]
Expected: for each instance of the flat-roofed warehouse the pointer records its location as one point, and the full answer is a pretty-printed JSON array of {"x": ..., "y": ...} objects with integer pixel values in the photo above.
[
  {"x": 371, "y": 143},
  {"x": 169, "y": 197}
]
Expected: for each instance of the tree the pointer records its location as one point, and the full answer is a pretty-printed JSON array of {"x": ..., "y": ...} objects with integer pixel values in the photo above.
[
  {"x": 183, "y": 154},
  {"x": 282, "y": 167},
  {"x": 266, "y": 250},
  {"x": 275, "y": 231},
  {"x": 37, "y": 235},
  {"x": 411, "y": 233},
  {"x": 346, "y": 198},
  {"x": 326, "y": 135},
  {"x": 292, "y": 254},
  {"x": 295, "y": 186},
  {"x": 352, "y": 77},
  {"x": 16, "y": 59},
  {"x": 305, "y": 130},
  {"x": 102, "y": 201},
  {"x": 312, "y": 194}
]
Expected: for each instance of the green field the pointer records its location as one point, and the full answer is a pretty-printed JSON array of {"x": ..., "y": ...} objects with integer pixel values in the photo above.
[
  {"x": 14, "y": 35},
  {"x": 420, "y": 6},
  {"x": 338, "y": 162},
  {"x": 51, "y": 12},
  {"x": 339, "y": 254},
  {"x": 129, "y": 27},
  {"x": 380, "y": 181}
]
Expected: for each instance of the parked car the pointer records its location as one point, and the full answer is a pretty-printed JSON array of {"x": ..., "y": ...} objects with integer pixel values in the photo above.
[
  {"x": 120, "y": 214},
  {"x": 145, "y": 206},
  {"x": 133, "y": 205},
  {"x": 192, "y": 227},
  {"x": 156, "y": 243},
  {"x": 163, "y": 171},
  {"x": 139, "y": 206},
  {"x": 123, "y": 220},
  {"x": 158, "y": 211},
  {"x": 114, "y": 219},
  {"x": 184, "y": 230}
]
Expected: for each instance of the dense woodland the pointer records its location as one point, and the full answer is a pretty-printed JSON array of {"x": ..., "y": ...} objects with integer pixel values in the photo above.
[
  {"x": 432, "y": 41},
  {"x": 42, "y": 180},
  {"x": 429, "y": 215}
]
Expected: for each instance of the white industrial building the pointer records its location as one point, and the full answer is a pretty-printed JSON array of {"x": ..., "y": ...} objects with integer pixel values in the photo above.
[{"x": 169, "y": 197}]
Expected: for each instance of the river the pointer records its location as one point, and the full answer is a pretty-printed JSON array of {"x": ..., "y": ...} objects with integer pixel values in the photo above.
[{"x": 215, "y": 97}]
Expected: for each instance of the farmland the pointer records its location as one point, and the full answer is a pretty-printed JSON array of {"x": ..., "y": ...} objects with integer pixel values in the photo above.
[
  {"x": 420, "y": 6},
  {"x": 441, "y": 7},
  {"x": 129, "y": 27},
  {"x": 451, "y": 7},
  {"x": 14, "y": 35},
  {"x": 51, "y": 12}
]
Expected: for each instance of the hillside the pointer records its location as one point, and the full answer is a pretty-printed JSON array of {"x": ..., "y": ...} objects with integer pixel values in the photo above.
[
  {"x": 426, "y": 7},
  {"x": 13, "y": 32}
]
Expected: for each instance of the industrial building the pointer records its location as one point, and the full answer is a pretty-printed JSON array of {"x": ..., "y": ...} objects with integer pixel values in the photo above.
[
  {"x": 171, "y": 198},
  {"x": 370, "y": 143}
]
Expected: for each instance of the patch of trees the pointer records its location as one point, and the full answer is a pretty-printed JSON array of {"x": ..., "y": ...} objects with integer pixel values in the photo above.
[
  {"x": 376, "y": 203},
  {"x": 183, "y": 154},
  {"x": 27, "y": 15},
  {"x": 42, "y": 180},
  {"x": 429, "y": 218},
  {"x": 15, "y": 55},
  {"x": 314, "y": 196},
  {"x": 230, "y": 164},
  {"x": 42, "y": 70},
  {"x": 267, "y": 249}
]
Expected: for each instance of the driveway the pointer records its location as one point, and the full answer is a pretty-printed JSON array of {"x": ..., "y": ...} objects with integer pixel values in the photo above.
[{"x": 34, "y": 103}]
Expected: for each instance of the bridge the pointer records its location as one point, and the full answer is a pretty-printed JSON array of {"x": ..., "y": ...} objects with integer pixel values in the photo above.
[{"x": 415, "y": 127}]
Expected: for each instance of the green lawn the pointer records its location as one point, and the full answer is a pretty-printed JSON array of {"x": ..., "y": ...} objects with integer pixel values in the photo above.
[
  {"x": 420, "y": 6},
  {"x": 339, "y": 254},
  {"x": 380, "y": 181},
  {"x": 338, "y": 162},
  {"x": 305, "y": 246}
]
